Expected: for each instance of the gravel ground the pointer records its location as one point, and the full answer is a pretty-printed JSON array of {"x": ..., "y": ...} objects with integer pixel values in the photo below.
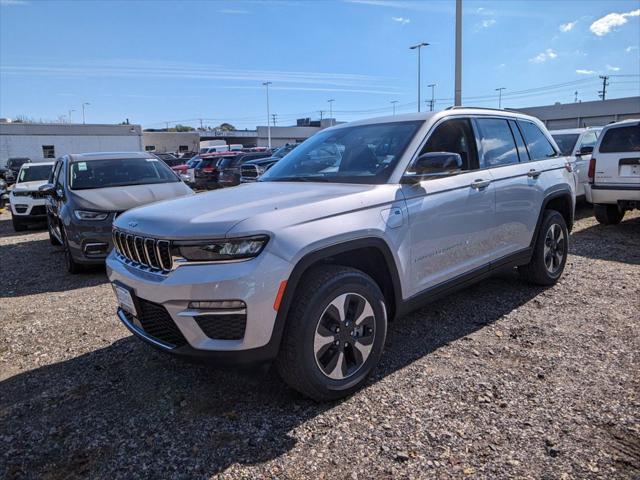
[{"x": 500, "y": 380}]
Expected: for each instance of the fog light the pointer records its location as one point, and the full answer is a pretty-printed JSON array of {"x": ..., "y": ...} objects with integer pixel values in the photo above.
[{"x": 218, "y": 305}]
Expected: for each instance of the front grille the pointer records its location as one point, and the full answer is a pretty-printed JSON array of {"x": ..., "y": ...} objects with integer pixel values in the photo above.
[
  {"x": 39, "y": 210},
  {"x": 21, "y": 194},
  {"x": 21, "y": 208},
  {"x": 143, "y": 251},
  {"x": 157, "y": 323},
  {"x": 223, "y": 327},
  {"x": 249, "y": 171}
]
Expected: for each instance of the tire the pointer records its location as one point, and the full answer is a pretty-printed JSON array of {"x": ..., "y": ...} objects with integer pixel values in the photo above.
[
  {"x": 309, "y": 363},
  {"x": 73, "y": 267},
  {"x": 550, "y": 251},
  {"x": 52, "y": 239},
  {"x": 608, "y": 214},
  {"x": 18, "y": 226}
]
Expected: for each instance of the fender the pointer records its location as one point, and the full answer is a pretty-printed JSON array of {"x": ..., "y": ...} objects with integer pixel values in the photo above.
[{"x": 560, "y": 193}]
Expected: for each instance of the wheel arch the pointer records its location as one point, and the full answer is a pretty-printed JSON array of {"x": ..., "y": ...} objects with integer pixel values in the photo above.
[{"x": 561, "y": 201}]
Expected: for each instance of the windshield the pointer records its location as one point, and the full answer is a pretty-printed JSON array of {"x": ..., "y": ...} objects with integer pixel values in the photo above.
[
  {"x": 566, "y": 142},
  {"x": 34, "y": 172},
  {"x": 119, "y": 173},
  {"x": 360, "y": 154}
]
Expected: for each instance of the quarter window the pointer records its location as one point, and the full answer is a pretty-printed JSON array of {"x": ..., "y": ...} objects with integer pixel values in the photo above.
[
  {"x": 589, "y": 139},
  {"x": 496, "y": 140},
  {"x": 455, "y": 136},
  {"x": 621, "y": 139},
  {"x": 538, "y": 145}
]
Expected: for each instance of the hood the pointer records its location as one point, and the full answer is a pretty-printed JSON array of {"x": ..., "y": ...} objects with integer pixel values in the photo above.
[
  {"x": 251, "y": 208},
  {"x": 29, "y": 186},
  {"x": 118, "y": 199}
]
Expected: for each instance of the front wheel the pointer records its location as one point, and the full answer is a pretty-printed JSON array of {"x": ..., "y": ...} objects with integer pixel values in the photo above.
[
  {"x": 72, "y": 266},
  {"x": 608, "y": 214},
  {"x": 550, "y": 251},
  {"x": 335, "y": 333}
]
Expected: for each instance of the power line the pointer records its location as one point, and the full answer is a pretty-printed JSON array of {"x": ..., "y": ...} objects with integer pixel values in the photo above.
[{"x": 605, "y": 83}]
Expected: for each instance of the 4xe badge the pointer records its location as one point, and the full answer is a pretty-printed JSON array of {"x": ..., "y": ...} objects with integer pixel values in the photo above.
[{"x": 133, "y": 224}]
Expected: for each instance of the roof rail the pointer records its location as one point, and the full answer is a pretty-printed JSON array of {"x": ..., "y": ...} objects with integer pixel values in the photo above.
[{"x": 458, "y": 107}]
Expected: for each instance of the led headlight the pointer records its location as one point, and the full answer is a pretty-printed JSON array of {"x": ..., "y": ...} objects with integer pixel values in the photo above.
[
  {"x": 88, "y": 215},
  {"x": 223, "y": 249}
]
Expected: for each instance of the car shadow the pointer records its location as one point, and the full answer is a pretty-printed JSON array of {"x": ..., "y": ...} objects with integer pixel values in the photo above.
[
  {"x": 615, "y": 243},
  {"x": 42, "y": 270},
  {"x": 583, "y": 210},
  {"x": 129, "y": 408},
  {"x": 6, "y": 228}
]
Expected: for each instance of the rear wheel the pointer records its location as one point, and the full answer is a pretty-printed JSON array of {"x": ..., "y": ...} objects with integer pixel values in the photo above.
[
  {"x": 550, "y": 251},
  {"x": 335, "y": 333},
  {"x": 608, "y": 214},
  {"x": 18, "y": 225}
]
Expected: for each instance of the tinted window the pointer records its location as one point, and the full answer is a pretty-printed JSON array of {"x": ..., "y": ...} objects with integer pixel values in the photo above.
[
  {"x": 566, "y": 142},
  {"x": 225, "y": 162},
  {"x": 539, "y": 147},
  {"x": 589, "y": 139},
  {"x": 496, "y": 140},
  {"x": 522, "y": 150},
  {"x": 357, "y": 154},
  {"x": 455, "y": 136},
  {"x": 34, "y": 172},
  {"x": 119, "y": 173},
  {"x": 55, "y": 171},
  {"x": 621, "y": 139}
]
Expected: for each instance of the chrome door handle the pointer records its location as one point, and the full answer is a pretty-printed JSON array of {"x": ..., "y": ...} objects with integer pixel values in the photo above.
[
  {"x": 479, "y": 184},
  {"x": 533, "y": 173}
]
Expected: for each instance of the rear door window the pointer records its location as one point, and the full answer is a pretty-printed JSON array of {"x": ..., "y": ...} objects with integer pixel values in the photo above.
[
  {"x": 497, "y": 142},
  {"x": 566, "y": 142},
  {"x": 538, "y": 145},
  {"x": 621, "y": 139}
]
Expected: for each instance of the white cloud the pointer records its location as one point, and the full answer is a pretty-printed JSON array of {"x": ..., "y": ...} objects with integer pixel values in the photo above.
[
  {"x": 604, "y": 25},
  {"x": 582, "y": 71},
  {"x": 567, "y": 27},
  {"x": 230, "y": 11},
  {"x": 401, "y": 20},
  {"x": 488, "y": 23},
  {"x": 12, "y": 2},
  {"x": 611, "y": 68},
  {"x": 631, "y": 48},
  {"x": 548, "y": 54}
]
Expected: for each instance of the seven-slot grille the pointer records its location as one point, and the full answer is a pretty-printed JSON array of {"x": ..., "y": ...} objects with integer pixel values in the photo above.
[{"x": 144, "y": 251}]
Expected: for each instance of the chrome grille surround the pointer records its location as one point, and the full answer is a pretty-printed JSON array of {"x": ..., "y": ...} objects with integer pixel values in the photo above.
[{"x": 143, "y": 252}]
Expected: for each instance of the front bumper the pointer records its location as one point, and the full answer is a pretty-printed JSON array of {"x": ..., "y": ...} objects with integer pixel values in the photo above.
[
  {"x": 255, "y": 282},
  {"x": 27, "y": 208},
  {"x": 89, "y": 241}
]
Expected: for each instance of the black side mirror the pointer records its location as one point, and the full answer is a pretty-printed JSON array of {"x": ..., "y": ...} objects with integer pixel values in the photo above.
[
  {"x": 47, "y": 190},
  {"x": 586, "y": 150},
  {"x": 434, "y": 164}
]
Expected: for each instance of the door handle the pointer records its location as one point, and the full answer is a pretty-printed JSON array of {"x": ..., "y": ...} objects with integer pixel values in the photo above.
[
  {"x": 479, "y": 184},
  {"x": 533, "y": 173}
]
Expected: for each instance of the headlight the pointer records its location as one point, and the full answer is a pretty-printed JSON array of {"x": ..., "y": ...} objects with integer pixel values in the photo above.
[
  {"x": 88, "y": 215},
  {"x": 223, "y": 249}
]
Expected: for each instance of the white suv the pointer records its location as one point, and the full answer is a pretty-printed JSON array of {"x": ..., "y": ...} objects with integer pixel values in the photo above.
[
  {"x": 360, "y": 224},
  {"x": 614, "y": 172},
  {"x": 578, "y": 143},
  {"x": 27, "y": 204}
]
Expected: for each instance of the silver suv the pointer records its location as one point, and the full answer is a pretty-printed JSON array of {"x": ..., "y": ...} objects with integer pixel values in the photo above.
[{"x": 360, "y": 224}]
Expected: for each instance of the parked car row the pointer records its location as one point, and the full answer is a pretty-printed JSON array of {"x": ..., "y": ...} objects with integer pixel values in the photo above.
[{"x": 358, "y": 225}]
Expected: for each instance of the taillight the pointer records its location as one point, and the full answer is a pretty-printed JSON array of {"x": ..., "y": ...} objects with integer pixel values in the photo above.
[
  {"x": 592, "y": 170},
  {"x": 208, "y": 170}
]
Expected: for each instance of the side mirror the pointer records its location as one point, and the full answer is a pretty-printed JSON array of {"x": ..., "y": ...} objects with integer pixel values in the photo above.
[
  {"x": 47, "y": 190},
  {"x": 586, "y": 150},
  {"x": 434, "y": 164}
]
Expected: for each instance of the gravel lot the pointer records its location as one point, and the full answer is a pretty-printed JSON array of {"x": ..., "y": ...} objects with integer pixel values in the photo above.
[{"x": 500, "y": 380}]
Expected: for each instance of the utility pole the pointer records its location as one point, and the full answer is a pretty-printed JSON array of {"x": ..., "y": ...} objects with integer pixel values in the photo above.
[
  {"x": 321, "y": 114},
  {"x": 70, "y": 118},
  {"x": 274, "y": 116},
  {"x": 499, "y": 90},
  {"x": 393, "y": 102},
  {"x": 330, "y": 101},
  {"x": 419, "y": 47},
  {"x": 433, "y": 96},
  {"x": 266, "y": 84},
  {"x": 605, "y": 83},
  {"x": 200, "y": 124},
  {"x": 83, "y": 105},
  {"x": 458, "y": 80},
  {"x": 575, "y": 97},
  {"x": 167, "y": 123}
]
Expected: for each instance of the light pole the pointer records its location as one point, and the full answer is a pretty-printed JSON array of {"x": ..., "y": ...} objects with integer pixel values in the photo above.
[
  {"x": 393, "y": 102},
  {"x": 457, "y": 94},
  {"x": 266, "y": 84},
  {"x": 330, "y": 101},
  {"x": 83, "y": 105},
  {"x": 433, "y": 96},
  {"x": 499, "y": 90},
  {"x": 419, "y": 47},
  {"x": 70, "y": 119}
]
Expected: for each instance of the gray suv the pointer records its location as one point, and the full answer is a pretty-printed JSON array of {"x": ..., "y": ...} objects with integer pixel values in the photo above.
[
  {"x": 360, "y": 224},
  {"x": 87, "y": 191}
]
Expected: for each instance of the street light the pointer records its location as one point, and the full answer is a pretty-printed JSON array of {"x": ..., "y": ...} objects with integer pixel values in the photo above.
[
  {"x": 419, "y": 47},
  {"x": 393, "y": 102},
  {"x": 83, "y": 105},
  {"x": 266, "y": 84},
  {"x": 433, "y": 96},
  {"x": 499, "y": 90},
  {"x": 70, "y": 119},
  {"x": 331, "y": 110}
]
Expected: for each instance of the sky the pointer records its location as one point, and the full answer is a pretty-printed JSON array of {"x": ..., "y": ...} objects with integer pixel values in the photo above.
[{"x": 158, "y": 61}]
